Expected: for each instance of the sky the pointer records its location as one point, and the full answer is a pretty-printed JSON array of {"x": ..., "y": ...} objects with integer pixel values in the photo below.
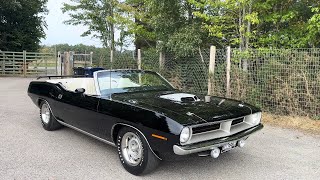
[{"x": 58, "y": 33}]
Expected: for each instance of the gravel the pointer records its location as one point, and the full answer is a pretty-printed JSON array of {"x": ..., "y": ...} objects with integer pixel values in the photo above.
[{"x": 27, "y": 151}]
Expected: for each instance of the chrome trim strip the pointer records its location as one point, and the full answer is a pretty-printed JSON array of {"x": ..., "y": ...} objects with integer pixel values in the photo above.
[
  {"x": 139, "y": 132},
  {"x": 179, "y": 150},
  {"x": 226, "y": 129},
  {"x": 98, "y": 138},
  {"x": 86, "y": 133}
]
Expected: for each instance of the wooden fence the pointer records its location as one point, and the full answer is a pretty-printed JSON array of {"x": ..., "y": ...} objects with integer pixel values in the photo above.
[{"x": 27, "y": 63}]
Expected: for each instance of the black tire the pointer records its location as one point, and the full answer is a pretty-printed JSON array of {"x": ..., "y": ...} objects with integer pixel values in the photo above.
[
  {"x": 148, "y": 161},
  {"x": 51, "y": 124}
]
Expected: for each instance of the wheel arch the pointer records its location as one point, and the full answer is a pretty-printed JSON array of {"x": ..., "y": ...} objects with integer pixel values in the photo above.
[
  {"x": 116, "y": 128},
  {"x": 39, "y": 101}
]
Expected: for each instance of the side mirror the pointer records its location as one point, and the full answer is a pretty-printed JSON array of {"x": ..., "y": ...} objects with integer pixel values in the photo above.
[{"x": 80, "y": 90}]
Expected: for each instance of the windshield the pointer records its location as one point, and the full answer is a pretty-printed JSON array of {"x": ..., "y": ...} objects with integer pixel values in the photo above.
[{"x": 130, "y": 81}]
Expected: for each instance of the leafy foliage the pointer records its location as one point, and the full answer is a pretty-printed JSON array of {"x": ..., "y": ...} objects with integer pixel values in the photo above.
[
  {"x": 260, "y": 23},
  {"x": 169, "y": 23},
  {"x": 22, "y": 24},
  {"x": 96, "y": 15},
  {"x": 181, "y": 27}
]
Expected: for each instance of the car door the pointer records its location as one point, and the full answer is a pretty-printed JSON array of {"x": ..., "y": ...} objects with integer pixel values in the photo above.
[{"x": 81, "y": 111}]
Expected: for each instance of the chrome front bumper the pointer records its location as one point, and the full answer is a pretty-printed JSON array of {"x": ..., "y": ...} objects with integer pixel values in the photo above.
[{"x": 209, "y": 145}]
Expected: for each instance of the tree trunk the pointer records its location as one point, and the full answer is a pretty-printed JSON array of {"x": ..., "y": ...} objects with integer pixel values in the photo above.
[{"x": 112, "y": 42}]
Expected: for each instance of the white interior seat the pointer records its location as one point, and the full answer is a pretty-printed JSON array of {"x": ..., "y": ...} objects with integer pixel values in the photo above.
[{"x": 72, "y": 84}]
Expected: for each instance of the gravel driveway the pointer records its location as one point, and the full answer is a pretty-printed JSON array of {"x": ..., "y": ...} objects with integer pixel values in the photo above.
[{"x": 27, "y": 151}]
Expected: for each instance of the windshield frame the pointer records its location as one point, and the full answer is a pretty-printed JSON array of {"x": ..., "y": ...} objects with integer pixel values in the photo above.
[{"x": 97, "y": 87}]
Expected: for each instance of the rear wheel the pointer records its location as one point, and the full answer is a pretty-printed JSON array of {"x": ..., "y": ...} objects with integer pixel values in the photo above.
[
  {"x": 134, "y": 152},
  {"x": 48, "y": 122}
]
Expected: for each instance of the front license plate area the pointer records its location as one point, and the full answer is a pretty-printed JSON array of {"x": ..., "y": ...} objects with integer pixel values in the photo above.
[{"x": 228, "y": 147}]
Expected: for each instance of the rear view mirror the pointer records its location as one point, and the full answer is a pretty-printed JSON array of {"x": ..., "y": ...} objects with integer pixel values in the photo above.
[{"x": 80, "y": 90}]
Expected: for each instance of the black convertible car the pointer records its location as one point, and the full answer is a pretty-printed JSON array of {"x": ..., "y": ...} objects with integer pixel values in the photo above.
[{"x": 141, "y": 114}]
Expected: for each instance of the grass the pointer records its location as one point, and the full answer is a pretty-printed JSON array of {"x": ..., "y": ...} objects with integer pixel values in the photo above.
[{"x": 304, "y": 124}]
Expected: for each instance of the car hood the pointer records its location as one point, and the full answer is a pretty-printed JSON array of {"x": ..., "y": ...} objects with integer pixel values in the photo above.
[{"x": 187, "y": 112}]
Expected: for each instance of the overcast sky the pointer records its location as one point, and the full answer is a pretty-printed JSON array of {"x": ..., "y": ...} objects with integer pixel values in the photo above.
[{"x": 58, "y": 32}]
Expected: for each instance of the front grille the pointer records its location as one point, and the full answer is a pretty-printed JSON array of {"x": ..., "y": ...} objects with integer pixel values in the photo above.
[
  {"x": 237, "y": 121},
  {"x": 209, "y": 131},
  {"x": 201, "y": 129}
]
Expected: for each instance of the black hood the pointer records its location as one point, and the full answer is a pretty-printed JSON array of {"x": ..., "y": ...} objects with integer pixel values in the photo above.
[{"x": 188, "y": 112}]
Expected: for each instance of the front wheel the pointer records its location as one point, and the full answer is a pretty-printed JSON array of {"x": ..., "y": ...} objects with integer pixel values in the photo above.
[
  {"x": 134, "y": 152},
  {"x": 48, "y": 122}
]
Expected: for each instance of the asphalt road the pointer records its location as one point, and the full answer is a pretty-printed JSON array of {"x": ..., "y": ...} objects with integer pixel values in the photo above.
[{"x": 27, "y": 151}]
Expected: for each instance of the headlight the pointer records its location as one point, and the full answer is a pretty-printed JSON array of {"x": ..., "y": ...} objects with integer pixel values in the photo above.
[
  {"x": 185, "y": 135},
  {"x": 253, "y": 118}
]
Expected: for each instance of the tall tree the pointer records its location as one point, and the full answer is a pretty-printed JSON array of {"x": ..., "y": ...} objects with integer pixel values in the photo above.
[
  {"x": 286, "y": 23},
  {"x": 169, "y": 23},
  {"x": 259, "y": 23},
  {"x": 97, "y": 15},
  {"x": 22, "y": 24}
]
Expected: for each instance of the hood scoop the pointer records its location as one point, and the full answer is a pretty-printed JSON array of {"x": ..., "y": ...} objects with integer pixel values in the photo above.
[{"x": 181, "y": 97}]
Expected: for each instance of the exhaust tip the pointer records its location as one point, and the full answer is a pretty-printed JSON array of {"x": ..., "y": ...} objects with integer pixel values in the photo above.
[{"x": 215, "y": 152}]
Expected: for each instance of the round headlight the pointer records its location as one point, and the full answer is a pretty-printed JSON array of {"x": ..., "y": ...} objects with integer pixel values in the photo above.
[
  {"x": 253, "y": 118},
  {"x": 185, "y": 135}
]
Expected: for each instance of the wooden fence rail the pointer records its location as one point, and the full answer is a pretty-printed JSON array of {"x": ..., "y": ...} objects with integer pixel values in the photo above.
[{"x": 27, "y": 63}]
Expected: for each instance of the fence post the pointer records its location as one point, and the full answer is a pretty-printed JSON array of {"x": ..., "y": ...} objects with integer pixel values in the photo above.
[
  {"x": 139, "y": 58},
  {"x": 111, "y": 58},
  {"x": 228, "y": 68},
  {"x": 71, "y": 63},
  {"x": 66, "y": 64},
  {"x": 58, "y": 64},
  {"x": 101, "y": 62},
  {"x": 91, "y": 53},
  {"x": 46, "y": 64},
  {"x": 161, "y": 60},
  {"x": 3, "y": 63},
  {"x": 55, "y": 58},
  {"x": 212, "y": 64},
  {"x": 3, "y": 66},
  {"x": 15, "y": 66},
  {"x": 24, "y": 63}
]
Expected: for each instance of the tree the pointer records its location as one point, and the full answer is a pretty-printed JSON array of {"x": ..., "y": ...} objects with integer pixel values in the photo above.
[
  {"x": 259, "y": 23},
  {"x": 97, "y": 15},
  {"x": 287, "y": 24},
  {"x": 314, "y": 28},
  {"x": 170, "y": 24},
  {"x": 22, "y": 24}
]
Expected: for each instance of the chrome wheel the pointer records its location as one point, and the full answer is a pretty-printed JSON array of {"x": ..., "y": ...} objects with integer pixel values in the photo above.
[
  {"x": 45, "y": 113},
  {"x": 131, "y": 147}
]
